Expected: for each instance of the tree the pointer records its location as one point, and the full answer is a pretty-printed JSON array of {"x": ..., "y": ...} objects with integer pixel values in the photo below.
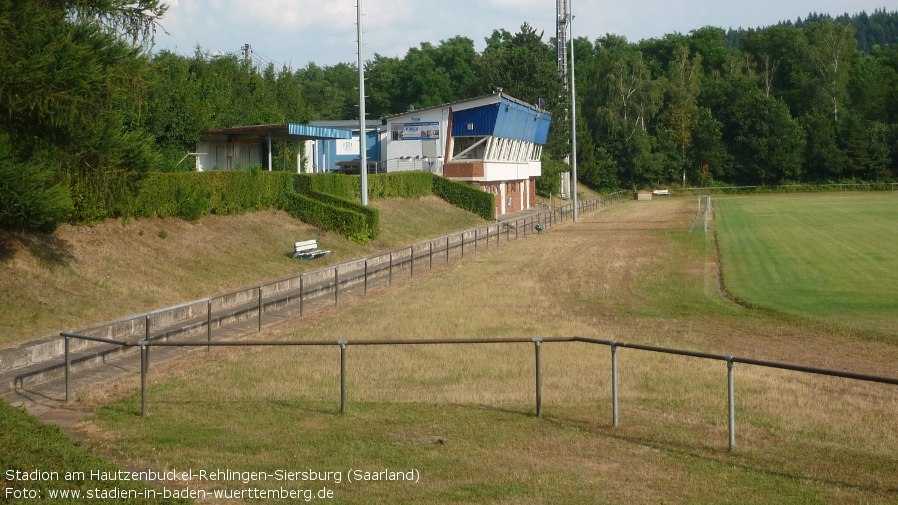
[
  {"x": 682, "y": 95},
  {"x": 69, "y": 90},
  {"x": 709, "y": 156},
  {"x": 831, "y": 51}
]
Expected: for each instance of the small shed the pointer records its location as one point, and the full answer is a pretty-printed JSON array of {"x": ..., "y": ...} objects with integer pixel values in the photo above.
[{"x": 642, "y": 195}]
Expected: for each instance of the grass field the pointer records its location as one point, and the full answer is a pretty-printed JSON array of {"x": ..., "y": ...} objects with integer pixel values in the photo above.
[
  {"x": 462, "y": 416},
  {"x": 827, "y": 257}
]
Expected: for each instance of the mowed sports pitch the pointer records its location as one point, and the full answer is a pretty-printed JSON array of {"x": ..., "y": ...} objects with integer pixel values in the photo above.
[
  {"x": 462, "y": 417},
  {"x": 833, "y": 258}
]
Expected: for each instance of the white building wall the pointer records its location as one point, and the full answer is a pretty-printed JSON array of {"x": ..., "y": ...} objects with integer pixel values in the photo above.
[
  {"x": 225, "y": 155},
  {"x": 402, "y": 148}
]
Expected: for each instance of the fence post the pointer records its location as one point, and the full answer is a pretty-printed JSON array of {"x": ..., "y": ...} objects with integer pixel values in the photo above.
[
  {"x": 302, "y": 278},
  {"x": 146, "y": 327},
  {"x": 462, "y": 245},
  {"x": 68, "y": 367},
  {"x": 411, "y": 252},
  {"x": 614, "y": 408},
  {"x": 447, "y": 249},
  {"x": 487, "y": 236},
  {"x": 336, "y": 284},
  {"x": 144, "y": 367},
  {"x": 430, "y": 261},
  {"x": 342, "y": 376},
  {"x": 707, "y": 212},
  {"x": 391, "y": 268},
  {"x": 539, "y": 391},
  {"x": 475, "y": 240},
  {"x": 507, "y": 232},
  {"x": 208, "y": 323},
  {"x": 732, "y": 404},
  {"x": 366, "y": 276},
  {"x": 260, "y": 308}
]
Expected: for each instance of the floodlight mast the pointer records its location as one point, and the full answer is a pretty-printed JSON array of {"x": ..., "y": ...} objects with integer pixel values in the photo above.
[
  {"x": 363, "y": 155},
  {"x": 573, "y": 120},
  {"x": 561, "y": 39}
]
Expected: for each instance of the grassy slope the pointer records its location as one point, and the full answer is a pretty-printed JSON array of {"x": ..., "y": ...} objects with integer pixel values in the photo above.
[
  {"x": 831, "y": 258},
  {"x": 462, "y": 416},
  {"x": 86, "y": 275},
  {"x": 30, "y": 445}
]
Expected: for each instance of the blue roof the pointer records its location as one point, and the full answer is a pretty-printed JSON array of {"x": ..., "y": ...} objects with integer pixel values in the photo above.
[
  {"x": 289, "y": 131},
  {"x": 508, "y": 119},
  {"x": 318, "y": 132}
]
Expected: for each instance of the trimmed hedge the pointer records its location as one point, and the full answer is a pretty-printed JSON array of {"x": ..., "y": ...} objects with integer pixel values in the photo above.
[
  {"x": 372, "y": 217},
  {"x": 412, "y": 184},
  {"x": 190, "y": 195},
  {"x": 344, "y": 186},
  {"x": 465, "y": 197},
  {"x": 328, "y": 201},
  {"x": 328, "y": 217}
]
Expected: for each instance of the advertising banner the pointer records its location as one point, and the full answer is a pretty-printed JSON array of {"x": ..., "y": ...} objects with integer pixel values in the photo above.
[{"x": 416, "y": 131}]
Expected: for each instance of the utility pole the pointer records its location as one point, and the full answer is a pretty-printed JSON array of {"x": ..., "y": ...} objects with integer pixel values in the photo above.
[
  {"x": 246, "y": 49},
  {"x": 363, "y": 147}
]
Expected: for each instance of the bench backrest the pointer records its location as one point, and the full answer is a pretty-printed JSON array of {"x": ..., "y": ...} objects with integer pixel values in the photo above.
[{"x": 306, "y": 245}]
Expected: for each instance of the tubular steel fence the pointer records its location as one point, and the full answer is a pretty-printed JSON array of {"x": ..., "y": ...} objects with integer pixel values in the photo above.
[
  {"x": 537, "y": 342},
  {"x": 294, "y": 295},
  {"x": 788, "y": 188}
]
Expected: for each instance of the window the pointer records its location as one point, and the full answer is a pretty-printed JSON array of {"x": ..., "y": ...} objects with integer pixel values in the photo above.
[{"x": 469, "y": 148}]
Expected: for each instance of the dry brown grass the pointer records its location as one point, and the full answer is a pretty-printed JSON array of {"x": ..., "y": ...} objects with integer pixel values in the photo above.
[
  {"x": 82, "y": 275},
  {"x": 628, "y": 274}
]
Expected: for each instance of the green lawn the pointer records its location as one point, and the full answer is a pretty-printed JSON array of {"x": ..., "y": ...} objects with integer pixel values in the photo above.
[
  {"x": 831, "y": 258},
  {"x": 28, "y": 446}
]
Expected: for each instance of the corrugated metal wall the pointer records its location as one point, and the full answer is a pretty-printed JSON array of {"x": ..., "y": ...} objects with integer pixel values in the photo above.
[{"x": 507, "y": 119}]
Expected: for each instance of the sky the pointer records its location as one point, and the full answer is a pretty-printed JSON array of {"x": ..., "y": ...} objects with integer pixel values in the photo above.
[{"x": 296, "y": 32}]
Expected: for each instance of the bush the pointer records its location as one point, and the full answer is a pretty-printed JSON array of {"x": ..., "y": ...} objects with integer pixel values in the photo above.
[
  {"x": 30, "y": 197},
  {"x": 550, "y": 182},
  {"x": 465, "y": 197},
  {"x": 329, "y": 217},
  {"x": 414, "y": 184},
  {"x": 344, "y": 186},
  {"x": 190, "y": 195},
  {"x": 371, "y": 215}
]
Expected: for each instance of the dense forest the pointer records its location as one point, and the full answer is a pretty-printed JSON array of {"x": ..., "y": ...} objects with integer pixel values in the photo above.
[{"x": 87, "y": 109}]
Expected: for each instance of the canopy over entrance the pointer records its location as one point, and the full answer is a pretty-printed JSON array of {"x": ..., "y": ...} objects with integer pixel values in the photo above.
[
  {"x": 227, "y": 147},
  {"x": 281, "y": 132}
]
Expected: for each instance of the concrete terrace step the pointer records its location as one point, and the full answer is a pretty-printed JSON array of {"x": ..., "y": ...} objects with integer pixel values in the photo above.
[{"x": 43, "y": 361}]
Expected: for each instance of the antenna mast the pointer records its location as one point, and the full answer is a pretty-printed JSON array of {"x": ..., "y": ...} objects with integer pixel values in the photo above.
[{"x": 564, "y": 18}]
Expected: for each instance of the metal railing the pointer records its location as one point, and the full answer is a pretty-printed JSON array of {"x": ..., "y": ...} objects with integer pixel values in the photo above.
[
  {"x": 786, "y": 188},
  {"x": 294, "y": 295},
  {"x": 537, "y": 342}
]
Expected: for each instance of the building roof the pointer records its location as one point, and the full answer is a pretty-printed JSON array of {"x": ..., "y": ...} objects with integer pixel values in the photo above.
[
  {"x": 282, "y": 132},
  {"x": 351, "y": 124},
  {"x": 499, "y": 96}
]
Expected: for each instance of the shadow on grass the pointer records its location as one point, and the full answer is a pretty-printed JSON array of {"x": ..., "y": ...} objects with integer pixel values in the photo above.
[
  {"x": 49, "y": 250},
  {"x": 718, "y": 455}
]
